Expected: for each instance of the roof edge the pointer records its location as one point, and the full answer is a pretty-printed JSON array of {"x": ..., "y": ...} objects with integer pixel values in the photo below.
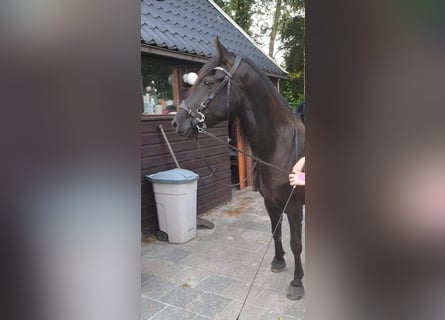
[
  {"x": 148, "y": 48},
  {"x": 244, "y": 33},
  {"x": 284, "y": 77}
]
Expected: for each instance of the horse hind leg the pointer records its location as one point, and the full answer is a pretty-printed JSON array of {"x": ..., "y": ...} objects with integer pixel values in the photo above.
[
  {"x": 278, "y": 263},
  {"x": 296, "y": 288}
]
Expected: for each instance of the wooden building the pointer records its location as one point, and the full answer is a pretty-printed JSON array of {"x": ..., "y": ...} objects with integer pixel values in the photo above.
[{"x": 177, "y": 38}]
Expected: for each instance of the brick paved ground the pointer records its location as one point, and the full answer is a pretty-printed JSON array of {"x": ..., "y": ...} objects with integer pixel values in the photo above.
[{"x": 208, "y": 277}]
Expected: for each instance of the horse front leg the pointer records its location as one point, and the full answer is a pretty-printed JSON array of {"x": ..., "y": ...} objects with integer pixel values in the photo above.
[
  {"x": 278, "y": 263},
  {"x": 296, "y": 288}
]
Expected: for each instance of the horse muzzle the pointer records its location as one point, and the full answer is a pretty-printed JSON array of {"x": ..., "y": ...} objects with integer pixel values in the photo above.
[{"x": 184, "y": 124}]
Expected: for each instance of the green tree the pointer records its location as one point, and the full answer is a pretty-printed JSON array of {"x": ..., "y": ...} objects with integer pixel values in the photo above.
[
  {"x": 243, "y": 13},
  {"x": 275, "y": 26},
  {"x": 220, "y": 3},
  {"x": 275, "y": 20},
  {"x": 240, "y": 11},
  {"x": 293, "y": 38}
]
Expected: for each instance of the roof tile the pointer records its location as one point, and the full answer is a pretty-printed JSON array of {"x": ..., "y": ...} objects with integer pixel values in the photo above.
[{"x": 191, "y": 26}]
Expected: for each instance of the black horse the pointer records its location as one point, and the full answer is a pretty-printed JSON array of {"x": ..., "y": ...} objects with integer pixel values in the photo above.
[{"x": 229, "y": 86}]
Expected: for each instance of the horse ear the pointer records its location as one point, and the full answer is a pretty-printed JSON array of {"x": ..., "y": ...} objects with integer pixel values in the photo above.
[{"x": 224, "y": 56}]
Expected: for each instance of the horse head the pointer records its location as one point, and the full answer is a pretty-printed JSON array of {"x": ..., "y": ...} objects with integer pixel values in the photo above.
[{"x": 213, "y": 97}]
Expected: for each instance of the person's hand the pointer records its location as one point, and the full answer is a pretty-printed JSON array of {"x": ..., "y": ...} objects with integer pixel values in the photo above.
[
  {"x": 298, "y": 167},
  {"x": 297, "y": 177}
]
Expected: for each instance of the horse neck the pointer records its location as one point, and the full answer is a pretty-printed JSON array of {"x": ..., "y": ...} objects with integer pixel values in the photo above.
[{"x": 264, "y": 119}]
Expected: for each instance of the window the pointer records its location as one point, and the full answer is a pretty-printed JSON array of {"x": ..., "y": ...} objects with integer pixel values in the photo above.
[
  {"x": 163, "y": 83},
  {"x": 159, "y": 85}
]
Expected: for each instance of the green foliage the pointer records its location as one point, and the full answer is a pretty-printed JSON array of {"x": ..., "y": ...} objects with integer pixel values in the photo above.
[
  {"x": 293, "y": 37},
  {"x": 290, "y": 27},
  {"x": 240, "y": 11},
  {"x": 243, "y": 14},
  {"x": 292, "y": 96},
  {"x": 220, "y": 3},
  {"x": 262, "y": 11}
]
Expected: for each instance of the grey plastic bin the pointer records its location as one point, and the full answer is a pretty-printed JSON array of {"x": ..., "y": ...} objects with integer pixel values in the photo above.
[{"x": 175, "y": 195}]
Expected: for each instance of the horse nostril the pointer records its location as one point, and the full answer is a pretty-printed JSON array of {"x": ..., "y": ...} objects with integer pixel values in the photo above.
[{"x": 174, "y": 124}]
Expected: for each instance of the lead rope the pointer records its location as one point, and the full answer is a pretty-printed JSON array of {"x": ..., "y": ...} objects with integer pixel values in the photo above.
[
  {"x": 243, "y": 152},
  {"x": 213, "y": 170},
  {"x": 279, "y": 220},
  {"x": 265, "y": 251}
]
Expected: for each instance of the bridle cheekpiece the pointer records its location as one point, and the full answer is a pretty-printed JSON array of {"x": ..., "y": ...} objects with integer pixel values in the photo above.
[{"x": 197, "y": 114}]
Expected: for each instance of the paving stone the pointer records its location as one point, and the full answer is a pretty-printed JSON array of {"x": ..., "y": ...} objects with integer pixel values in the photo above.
[
  {"x": 155, "y": 287},
  {"x": 226, "y": 228},
  {"x": 150, "y": 307},
  {"x": 176, "y": 255},
  {"x": 190, "y": 277},
  {"x": 167, "y": 251},
  {"x": 238, "y": 291},
  {"x": 278, "y": 281},
  {"x": 209, "y": 304},
  {"x": 242, "y": 256},
  {"x": 249, "y": 312},
  {"x": 173, "y": 313},
  {"x": 160, "y": 267},
  {"x": 254, "y": 241},
  {"x": 215, "y": 284},
  {"x": 270, "y": 315},
  {"x": 220, "y": 262},
  {"x": 220, "y": 240},
  {"x": 205, "y": 242},
  {"x": 194, "y": 259},
  {"x": 216, "y": 265},
  {"x": 199, "y": 317},
  {"x": 297, "y": 309},
  {"x": 258, "y": 225},
  {"x": 242, "y": 272},
  {"x": 273, "y": 300},
  {"x": 181, "y": 296}
]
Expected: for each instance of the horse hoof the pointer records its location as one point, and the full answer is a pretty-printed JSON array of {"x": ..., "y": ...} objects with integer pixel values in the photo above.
[
  {"x": 295, "y": 292},
  {"x": 277, "y": 266}
]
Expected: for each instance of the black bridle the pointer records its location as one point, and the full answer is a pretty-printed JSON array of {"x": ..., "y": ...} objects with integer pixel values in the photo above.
[{"x": 197, "y": 114}]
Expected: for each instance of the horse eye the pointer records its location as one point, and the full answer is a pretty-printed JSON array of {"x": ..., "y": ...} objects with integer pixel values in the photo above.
[{"x": 206, "y": 82}]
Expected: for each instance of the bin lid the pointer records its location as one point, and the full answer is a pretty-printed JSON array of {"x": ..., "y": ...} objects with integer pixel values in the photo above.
[{"x": 173, "y": 176}]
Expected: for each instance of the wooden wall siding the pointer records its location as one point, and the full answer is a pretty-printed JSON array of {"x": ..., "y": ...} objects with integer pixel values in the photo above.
[{"x": 155, "y": 157}]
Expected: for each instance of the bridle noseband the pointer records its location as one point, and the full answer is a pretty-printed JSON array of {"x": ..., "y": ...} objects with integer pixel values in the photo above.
[{"x": 197, "y": 114}]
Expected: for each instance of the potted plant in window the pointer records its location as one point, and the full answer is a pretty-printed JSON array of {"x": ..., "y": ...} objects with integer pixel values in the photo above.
[{"x": 150, "y": 99}]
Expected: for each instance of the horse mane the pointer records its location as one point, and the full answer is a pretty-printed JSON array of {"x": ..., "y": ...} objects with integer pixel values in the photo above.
[
  {"x": 265, "y": 79},
  {"x": 246, "y": 134},
  {"x": 214, "y": 62}
]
